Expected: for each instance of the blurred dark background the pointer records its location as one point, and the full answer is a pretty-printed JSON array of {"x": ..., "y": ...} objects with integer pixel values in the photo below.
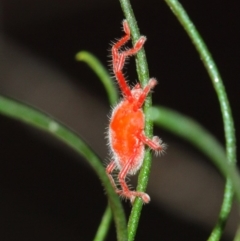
[{"x": 47, "y": 191}]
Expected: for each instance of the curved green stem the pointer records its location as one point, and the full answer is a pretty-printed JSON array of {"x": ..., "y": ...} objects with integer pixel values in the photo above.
[
  {"x": 214, "y": 74},
  {"x": 112, "y": 93},
  {"x": 191, "y": 131},
  {"x": 37, "y": 119},
  {"x": 101, "y": 72},
  {"x": 104, "y": 225},
  {"x": 237, "y": 235}
]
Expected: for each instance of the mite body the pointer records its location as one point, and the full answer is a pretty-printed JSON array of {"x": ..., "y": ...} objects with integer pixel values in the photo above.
[{"x": 125, "y": 127}]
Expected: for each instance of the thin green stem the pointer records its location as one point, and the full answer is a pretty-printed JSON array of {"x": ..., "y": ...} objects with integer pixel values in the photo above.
[
  {"x": 104, "y": 225},
  {"x": 237, "y": 236},
  {"x": 217, "y": 82},
  {"x": 101, "y": 72},
  {"x": 37, "y": 119},
  {"x": 191, "y": 131},
  {"x": 143, "y": 75},
  {"x": 112, "y": 93}
]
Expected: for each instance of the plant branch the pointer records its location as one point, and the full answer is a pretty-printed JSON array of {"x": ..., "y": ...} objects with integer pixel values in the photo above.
[
  {"x": 99, "y": 69},
  {"x": 104, "y": 225},
  {"x": 102, "y": 74},
  {"x": 143, "y": 75},
  {"x": 217, "y": 82},
  {"x": 37, "y": 119},
  {"x": 198, "y": 136}
]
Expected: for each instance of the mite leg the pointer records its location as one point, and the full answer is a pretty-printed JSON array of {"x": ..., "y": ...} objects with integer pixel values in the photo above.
[
  {"x": 151, "y": 84},
  {"x": 125, "y": 192},
  {"x": 122, "y": 40},
  {"x": 119, "y": 58},
  {"x": 111, "y": 166},
  {"x": 155, "y": 143}
]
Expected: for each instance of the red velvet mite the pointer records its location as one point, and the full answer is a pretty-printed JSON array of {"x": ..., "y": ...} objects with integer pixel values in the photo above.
[{"x": 126, "y": 135}]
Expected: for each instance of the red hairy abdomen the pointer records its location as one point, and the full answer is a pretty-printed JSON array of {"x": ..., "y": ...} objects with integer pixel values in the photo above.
[{"x": 125, "y": 125}]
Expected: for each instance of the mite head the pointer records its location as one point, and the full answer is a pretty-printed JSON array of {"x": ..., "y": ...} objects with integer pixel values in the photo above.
[
  {"x": 139, "y": 94},
  {"x": 136, "y": 91}
]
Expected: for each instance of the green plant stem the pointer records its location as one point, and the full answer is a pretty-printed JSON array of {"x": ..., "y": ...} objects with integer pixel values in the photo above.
[
  {"x": 112, "y": 93},
  {"x": 104, "y": 225},
  {"x": 237, "y": 236},
  {"x": 143, "y": 75},
  {"x": 101, "y": 72},
  {"x": 217, "y": 82},
  {"x": 37, "y": 119},
  {"x": 191, "y": 131}
]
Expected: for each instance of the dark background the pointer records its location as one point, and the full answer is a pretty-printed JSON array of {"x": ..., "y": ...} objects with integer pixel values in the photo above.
[{"x": 47, "y": 191}]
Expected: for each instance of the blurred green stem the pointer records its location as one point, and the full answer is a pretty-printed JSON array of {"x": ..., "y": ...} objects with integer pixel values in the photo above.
[
  {"x": 37, "y": 119},
  {"x": 237, "y": 236},
  {"x": 191, "y": 131},
  {"x": 99, "y": 69},
  {"x": 101, "y": 72},
  {"x": 104, "y": 225}
]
